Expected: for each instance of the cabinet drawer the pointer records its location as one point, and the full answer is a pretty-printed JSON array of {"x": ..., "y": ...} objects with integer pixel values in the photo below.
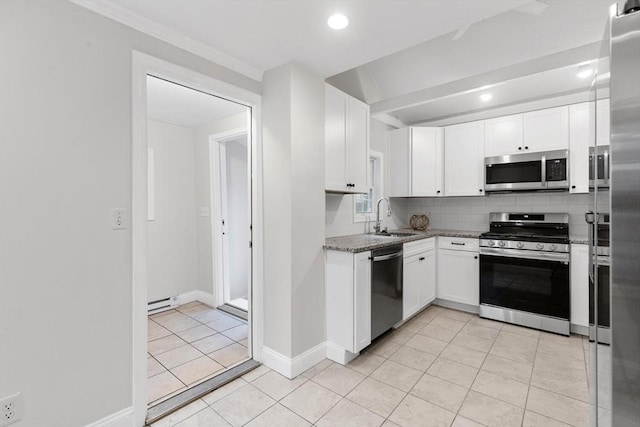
[
  {"x": 458, "y": 244},
  {"x": 413, "y": 248}
]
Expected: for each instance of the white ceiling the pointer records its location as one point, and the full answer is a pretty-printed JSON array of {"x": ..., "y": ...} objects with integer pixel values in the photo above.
[
  {"x": 171, "y": 103},
  {"x": 267, "y": 33}
]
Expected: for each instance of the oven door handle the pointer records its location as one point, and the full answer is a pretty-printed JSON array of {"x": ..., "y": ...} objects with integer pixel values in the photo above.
[{"x": 515, "y": 253}]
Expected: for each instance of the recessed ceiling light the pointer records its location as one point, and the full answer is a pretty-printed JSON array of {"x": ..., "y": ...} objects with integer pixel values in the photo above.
[
  {"x": 338, "y": 21},
  {"x": 485, "y": 97}
]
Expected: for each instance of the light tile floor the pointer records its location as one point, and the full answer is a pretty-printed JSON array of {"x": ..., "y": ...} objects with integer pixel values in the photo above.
[
  {"x": 442, "y": 368},
  {"x": 190, "y": 344}
]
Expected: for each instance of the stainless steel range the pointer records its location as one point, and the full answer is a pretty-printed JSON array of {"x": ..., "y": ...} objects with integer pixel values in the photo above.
[{"x": 524, "y": 270}]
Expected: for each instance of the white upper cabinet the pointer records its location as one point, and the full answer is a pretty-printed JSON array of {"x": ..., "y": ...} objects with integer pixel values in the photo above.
[
  {"x": 503, "y": 136},
  {"x": 416, "y": 162},
  {"x": 426, "y": 161},
  {"x": 581, "y": 135},
  {"x": 603, "y": 122},
  {"x": 464, "y": 159},
  {"x": 546, "y": 130},
  {"x": 346, "y": 142}
]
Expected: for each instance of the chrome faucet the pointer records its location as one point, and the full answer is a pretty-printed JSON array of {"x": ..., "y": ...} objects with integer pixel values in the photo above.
[{"x": 377, "y": 226}]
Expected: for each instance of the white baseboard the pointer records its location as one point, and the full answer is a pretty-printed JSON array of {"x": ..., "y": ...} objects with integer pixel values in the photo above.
[
  {"x": 339, "y": 355},
  {"x": 123, "y": 418},
  {"x": 292, "y": 367},
  {"x": 206, "y": 298},
  {"x": 474, "y": 309},
  {"x": 580, "y": 330}
]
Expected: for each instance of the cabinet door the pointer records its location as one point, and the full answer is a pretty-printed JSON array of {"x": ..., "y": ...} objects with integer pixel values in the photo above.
[
  {"x": 362, "y": 301},
  {"x": 426, "y": 161},
  {"x": 503, "y": 136},
  {"x": 357, "y": 145},
  {"x": 546, "y": 130},
  {"x": 411, "y": 284},
  {"x": 399, "y": 162},
  {"x": 581, "y": 136},
  {"x": 580, "y": 285},
  {"x": 603, "y": 122},
  {"x": 464, "y": 159},
  {"x": 458, "y": 276},
  {"x": 336, "y": 106},
  {"x": 428, "y": 266}
]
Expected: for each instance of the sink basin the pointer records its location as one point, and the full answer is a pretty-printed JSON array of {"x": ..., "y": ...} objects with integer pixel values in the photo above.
[{"x": 395, "y": 234}]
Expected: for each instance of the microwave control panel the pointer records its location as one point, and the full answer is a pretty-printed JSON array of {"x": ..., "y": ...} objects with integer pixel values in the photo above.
[{"x": 556, "y": 169}]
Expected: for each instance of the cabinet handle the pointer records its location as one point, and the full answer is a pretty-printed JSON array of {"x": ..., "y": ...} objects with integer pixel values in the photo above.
[
  {"x": 421, "y": 258},
  {"x": 438, "y": 192},
  {"x": 526, "y": 148},
  {"x": 573, "y": 186},
  {"x": 370, "y": 258},
  {"x": 475, "y": 257},
  {"x": 480, "y": 190},
  {"x": 458, "y": 244},
  {"x": 519, "y": 148}
]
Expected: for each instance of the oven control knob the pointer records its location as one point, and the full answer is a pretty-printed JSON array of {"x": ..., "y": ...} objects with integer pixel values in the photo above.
[
  {"x": 491, "y": 243},
  {"x": 502, "y": 244},
  {"x": 553, "y": 247},
  {"x": 520, "y": 245},
  {"x": 539, "y": 246}
]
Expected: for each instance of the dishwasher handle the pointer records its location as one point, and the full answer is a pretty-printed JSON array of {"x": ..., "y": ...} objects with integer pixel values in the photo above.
[{"x": 387, "y": 257}]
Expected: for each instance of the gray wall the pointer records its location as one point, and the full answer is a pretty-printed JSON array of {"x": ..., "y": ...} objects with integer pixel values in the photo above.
[
  {"x": 65, "y": 162},
  {"x": 172, "y": 249},
  {"x": 294, "y": 209}
]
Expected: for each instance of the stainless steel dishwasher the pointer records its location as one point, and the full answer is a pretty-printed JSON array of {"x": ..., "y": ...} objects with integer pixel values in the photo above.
[{"x": 386, "y": 289}]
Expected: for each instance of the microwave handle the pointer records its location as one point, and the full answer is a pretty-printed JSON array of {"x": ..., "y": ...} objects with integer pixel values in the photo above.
[{"x": 544, "y": 171}]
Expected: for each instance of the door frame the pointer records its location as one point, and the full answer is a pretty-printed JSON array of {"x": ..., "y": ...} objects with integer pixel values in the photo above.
[
  {"x": 142, "y": 65},
  {"x": 217, "y": 178}
]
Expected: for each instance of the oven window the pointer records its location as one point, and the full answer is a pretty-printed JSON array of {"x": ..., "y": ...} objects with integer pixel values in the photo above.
[
  {"x": 534, "y": 286},
  {"x": 509, "y": 173}
]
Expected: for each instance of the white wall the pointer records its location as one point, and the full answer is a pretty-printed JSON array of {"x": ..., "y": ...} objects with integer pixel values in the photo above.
[
  {"x": 206, "y": 257},
  {"x": 294, "y": 209},
  {"x": 237, "y": 217},
  {"x": 172, "y": 240},
  {"x": 65, "y": 162},
  {"x": 339, "y": 208}
]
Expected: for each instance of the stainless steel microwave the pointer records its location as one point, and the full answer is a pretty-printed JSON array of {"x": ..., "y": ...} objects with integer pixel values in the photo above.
[{"x": 548, "y": 170}]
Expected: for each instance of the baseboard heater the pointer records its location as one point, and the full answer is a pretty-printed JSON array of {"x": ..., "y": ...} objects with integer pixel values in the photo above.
[{"x": 162, "y": 304}]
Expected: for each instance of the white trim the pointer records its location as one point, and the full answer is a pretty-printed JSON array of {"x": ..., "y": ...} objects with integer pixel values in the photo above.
[
  {"x": 474, "y": 309},
  {"x": 206, "y": 298},
  {"x": 388, "y": 119},
  {"x": 291, "y": 368},
  {"x": 123, "y": 418},
  {"x": 143, "y": 64},
  {"x": 119, "y": 14},
  {"x": 339, "y": 354}
]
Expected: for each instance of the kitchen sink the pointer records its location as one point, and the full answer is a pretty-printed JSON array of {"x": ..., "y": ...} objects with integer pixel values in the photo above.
[{"x": 395, "y": 234}]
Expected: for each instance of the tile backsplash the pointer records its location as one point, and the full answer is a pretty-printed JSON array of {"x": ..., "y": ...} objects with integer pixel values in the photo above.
[{"x": 472, "y": 213}]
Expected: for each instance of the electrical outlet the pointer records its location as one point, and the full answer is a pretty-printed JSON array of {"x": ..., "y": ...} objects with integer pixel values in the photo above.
[
  {"x": 10, "y": 409},
  {"x": 119, "y": 219}
]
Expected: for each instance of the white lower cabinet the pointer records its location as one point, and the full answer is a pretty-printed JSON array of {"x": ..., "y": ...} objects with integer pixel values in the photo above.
[
  {"x": 579, "y": 278},
  {"x": 348, "y": 303},
  {"x": 458, "y": 270},
  {"x": 419, "y": 276}
]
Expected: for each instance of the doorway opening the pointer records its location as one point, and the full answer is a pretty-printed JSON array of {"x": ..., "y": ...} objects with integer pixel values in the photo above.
[
  {"x": 191, "y": 341},
  {"x": 230, "y": 179}
]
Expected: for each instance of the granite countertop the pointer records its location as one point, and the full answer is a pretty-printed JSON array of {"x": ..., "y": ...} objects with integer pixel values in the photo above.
[{"x": 367, "y": 242}]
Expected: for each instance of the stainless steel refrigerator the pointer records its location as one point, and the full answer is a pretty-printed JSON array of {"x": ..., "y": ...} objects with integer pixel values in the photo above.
[{"x": 614, "y": 374}]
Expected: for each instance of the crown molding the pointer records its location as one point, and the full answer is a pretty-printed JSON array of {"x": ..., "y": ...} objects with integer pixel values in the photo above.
[{"x": 153, "y": 29}]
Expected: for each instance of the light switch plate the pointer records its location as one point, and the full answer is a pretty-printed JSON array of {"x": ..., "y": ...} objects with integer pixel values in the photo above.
[{"x": 119, "y": 219}]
